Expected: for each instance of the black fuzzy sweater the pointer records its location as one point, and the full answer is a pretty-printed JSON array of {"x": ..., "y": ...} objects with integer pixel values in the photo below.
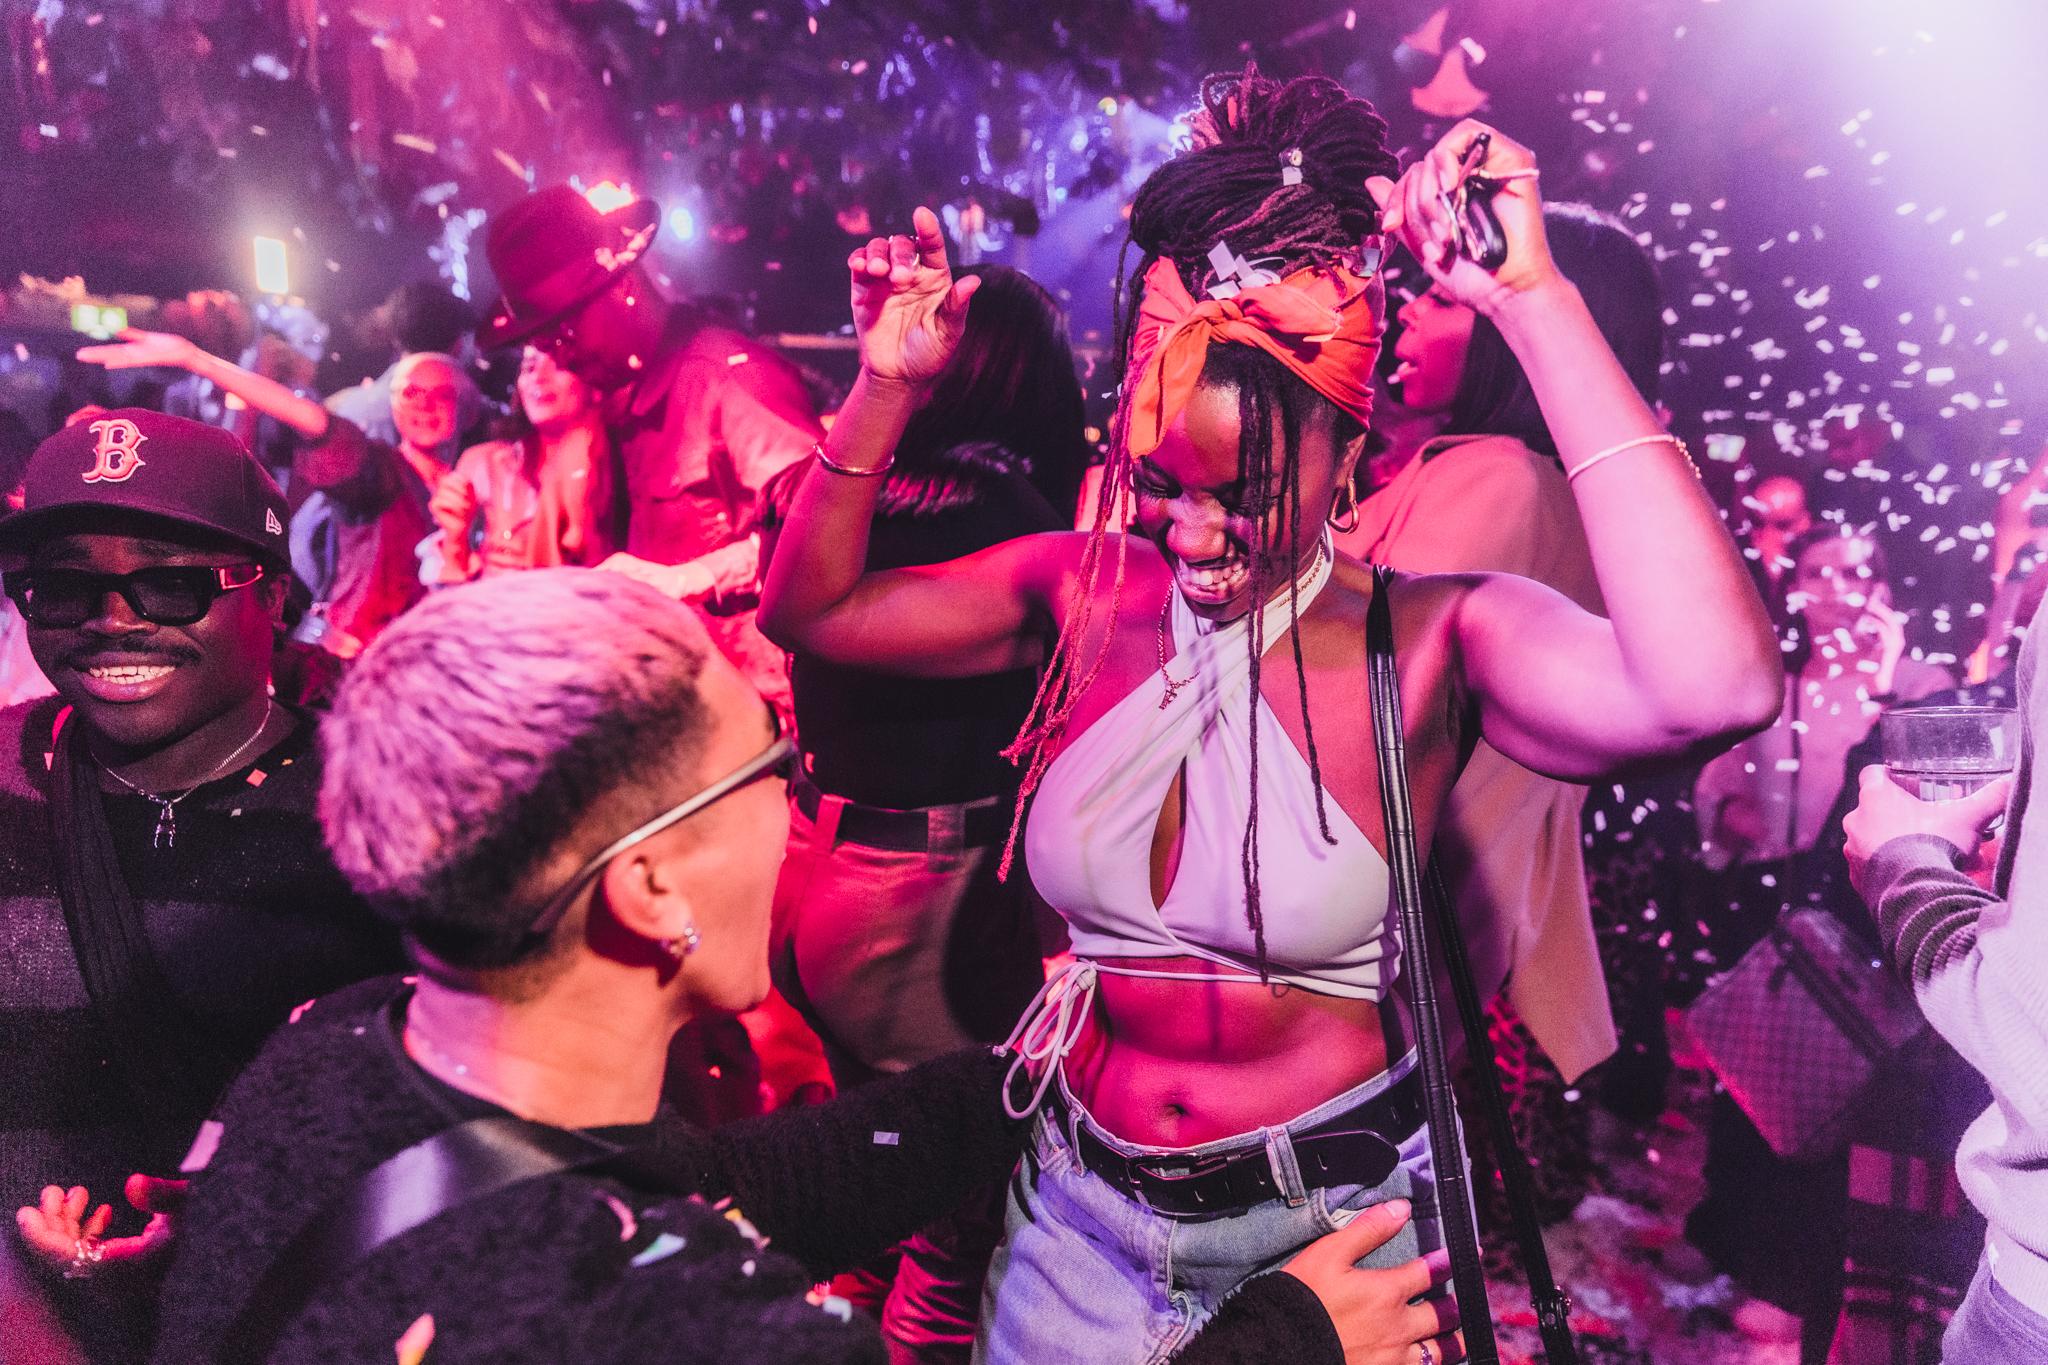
[
  {"x": 581, "y": 1268},
  {"x": 245, "y": 916}
]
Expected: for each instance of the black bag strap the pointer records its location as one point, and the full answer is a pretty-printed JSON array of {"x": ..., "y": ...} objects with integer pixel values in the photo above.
[
  {"x": 1453, "y": 1189},
  {"x": 167, "y": 1062},
  {"x": 1553, "y": 1307},
  {"x": 415, "y": 1186}
]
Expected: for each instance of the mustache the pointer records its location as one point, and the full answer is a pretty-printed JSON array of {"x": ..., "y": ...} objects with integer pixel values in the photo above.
[{"x": 104, "y": 653}]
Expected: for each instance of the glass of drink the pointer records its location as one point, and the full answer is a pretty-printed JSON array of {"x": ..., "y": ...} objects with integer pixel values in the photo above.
[{"x": 1940, "y": 753}]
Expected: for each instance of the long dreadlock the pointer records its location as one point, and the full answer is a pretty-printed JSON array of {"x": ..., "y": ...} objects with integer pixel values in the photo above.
[{"x": 1229, "y": 187}]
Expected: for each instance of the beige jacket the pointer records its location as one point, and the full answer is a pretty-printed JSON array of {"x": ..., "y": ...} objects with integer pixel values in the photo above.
[{"x": 1509, "y": 843}]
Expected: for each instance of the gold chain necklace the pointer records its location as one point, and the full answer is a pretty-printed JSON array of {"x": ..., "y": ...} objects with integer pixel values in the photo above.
[{"x": 1173, "y": 685}]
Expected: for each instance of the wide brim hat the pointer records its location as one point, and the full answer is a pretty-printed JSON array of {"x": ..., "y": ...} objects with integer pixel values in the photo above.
[{"x": 553, "y": 253}]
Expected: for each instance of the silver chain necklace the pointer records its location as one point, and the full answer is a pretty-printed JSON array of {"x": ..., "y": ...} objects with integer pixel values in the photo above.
[{"x": 166, "y": 835}]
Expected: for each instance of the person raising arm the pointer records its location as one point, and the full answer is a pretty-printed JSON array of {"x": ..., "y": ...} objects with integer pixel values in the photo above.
[
  {"x": 1684, "y": 662},
  {"x": 1164, "y": 734}
]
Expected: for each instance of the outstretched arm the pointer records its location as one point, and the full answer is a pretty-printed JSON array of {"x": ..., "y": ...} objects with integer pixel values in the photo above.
[
  {"x": 1685, "y": 659},
  {"x": 336, "y": 457},
  {"x": 975, "y": 615},
  {"x": 138, "y": 349}
]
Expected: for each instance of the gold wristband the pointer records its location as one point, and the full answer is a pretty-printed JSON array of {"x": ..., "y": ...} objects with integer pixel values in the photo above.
[{"x": 850, "y": 471}]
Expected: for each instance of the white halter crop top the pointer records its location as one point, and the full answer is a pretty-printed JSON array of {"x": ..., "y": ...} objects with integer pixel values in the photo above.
[
  {"x": 1089, "y": 839},
  {"x": 1092, "y": 823}
]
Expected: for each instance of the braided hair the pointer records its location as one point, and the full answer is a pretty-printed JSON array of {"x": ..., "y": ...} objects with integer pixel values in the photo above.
[{"x": 1230, "y": 187}]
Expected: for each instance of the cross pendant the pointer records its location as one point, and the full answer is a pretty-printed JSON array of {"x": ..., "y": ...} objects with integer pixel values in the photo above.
[{"x": 1172, "y": 690}]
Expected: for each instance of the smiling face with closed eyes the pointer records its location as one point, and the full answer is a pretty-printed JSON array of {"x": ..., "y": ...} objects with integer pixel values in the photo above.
[{"x": 1196, "y": 503}]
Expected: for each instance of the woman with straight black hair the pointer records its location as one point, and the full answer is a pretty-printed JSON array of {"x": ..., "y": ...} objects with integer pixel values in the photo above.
[
  {"x": 893, "y": 935},
  {"x": 1454, "y": 362}
]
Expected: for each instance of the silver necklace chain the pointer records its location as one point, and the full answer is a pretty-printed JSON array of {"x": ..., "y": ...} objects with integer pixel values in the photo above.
[
  {"x": 1173, "y": 684},
  {"x": 166, "y": 835}
]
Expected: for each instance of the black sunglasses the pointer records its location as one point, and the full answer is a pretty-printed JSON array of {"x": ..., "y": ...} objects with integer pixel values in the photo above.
[
  {"x": 167, "y": 595},
  {"x": 779, "y": 759},
  {"x": 1476, "y": 232},
  {"x": 557, "y": 337}
]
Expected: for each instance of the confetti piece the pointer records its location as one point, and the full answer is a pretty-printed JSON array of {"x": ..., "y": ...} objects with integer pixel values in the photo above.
[
  {"x": 414, "y": 1342},
  {"x": 661, "y": 1248}
]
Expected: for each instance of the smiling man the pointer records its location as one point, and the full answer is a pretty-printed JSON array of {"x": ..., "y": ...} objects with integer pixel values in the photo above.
[{"x": 165, "y": 899}]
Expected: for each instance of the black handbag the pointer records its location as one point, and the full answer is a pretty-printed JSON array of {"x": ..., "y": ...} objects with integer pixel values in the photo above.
[{"x": 1411, "y": 891}]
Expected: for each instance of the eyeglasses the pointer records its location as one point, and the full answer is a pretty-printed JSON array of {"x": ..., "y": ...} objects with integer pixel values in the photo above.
[
  {"x": 442, "y": 397},
  {"x": 779, "y": 759},
  {"x": 167, "y": 595}
]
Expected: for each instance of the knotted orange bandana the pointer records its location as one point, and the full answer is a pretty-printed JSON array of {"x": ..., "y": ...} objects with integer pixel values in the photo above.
[{"x": 1317, "y": 322}]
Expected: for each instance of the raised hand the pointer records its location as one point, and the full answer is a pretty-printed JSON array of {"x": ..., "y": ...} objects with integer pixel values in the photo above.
[
  {"x": 1371, "y": 1309},
  {"x": 454, "y": 507},
  {"x": 1887, "y": 629},
  {"x": 138, "y": 349},
  {"x": 908, "y": 310},
  {"x": 1416, "y": 208}
]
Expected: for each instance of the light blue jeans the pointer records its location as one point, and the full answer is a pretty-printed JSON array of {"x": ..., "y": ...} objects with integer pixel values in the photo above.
[
  {"x": 1994, "y": 1328},
  {"x": 1087, "y": 1275}
]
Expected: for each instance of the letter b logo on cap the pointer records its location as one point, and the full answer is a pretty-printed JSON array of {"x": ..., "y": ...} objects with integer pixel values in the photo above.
[{"x": 118, "y": 454}]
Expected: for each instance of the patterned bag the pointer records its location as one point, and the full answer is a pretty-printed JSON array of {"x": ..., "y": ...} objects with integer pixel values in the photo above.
[{"x": 1800, "y": 1027}]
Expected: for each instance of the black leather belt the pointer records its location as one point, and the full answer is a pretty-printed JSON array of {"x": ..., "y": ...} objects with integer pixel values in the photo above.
[
  {"x": 1360, "y": 1146},
  {"x": 906, "y": 831}
]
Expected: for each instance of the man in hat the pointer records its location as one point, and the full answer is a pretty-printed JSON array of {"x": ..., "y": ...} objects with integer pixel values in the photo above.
[
  {"x": 165, "y": 897},
  {"x": 702, "y": 416}
]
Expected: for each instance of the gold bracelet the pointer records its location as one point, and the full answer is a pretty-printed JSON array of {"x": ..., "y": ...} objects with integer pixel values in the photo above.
[
  {"x": 818, "y": 452},
  {"x": 1662, "y": 437}
]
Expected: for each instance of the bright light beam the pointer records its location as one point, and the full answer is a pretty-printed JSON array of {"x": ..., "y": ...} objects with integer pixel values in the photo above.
[{"x": 273, "y": 276}]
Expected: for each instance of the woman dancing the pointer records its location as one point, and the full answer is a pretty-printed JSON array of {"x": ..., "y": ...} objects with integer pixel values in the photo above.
[{"x": 1226, "y": 1069}]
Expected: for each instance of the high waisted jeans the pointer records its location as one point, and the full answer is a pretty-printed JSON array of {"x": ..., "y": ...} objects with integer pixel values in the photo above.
[{"x": 1088, "y": 1276}]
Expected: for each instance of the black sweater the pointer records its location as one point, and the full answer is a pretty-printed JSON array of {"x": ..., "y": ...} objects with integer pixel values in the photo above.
[
  {"x": 245, "y": 916},
  {"x": 579, "y": 1267}
]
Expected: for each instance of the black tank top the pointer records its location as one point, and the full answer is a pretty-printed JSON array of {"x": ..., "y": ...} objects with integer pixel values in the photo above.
[{"x": 903, "y": 743}]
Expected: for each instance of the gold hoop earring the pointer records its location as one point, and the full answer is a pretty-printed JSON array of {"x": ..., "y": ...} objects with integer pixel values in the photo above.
[{"x": 1343, "y": 516}]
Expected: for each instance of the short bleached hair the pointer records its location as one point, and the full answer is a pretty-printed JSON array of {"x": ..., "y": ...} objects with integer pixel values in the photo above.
[{"x": 485, "y": 727}]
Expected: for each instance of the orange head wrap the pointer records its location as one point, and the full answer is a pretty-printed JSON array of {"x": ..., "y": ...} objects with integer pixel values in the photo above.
[{"x": 1318, "y": 322}]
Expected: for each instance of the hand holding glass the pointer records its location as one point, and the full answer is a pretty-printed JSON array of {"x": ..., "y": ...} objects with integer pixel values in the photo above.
[{"x": 1940, "y": 753}]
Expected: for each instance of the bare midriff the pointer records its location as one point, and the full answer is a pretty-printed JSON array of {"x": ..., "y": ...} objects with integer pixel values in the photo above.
[{"x": 1166, "y": 1063}]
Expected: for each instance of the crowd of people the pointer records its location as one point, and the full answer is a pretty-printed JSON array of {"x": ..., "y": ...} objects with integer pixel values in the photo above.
[{"x": 661, "y": 873}]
